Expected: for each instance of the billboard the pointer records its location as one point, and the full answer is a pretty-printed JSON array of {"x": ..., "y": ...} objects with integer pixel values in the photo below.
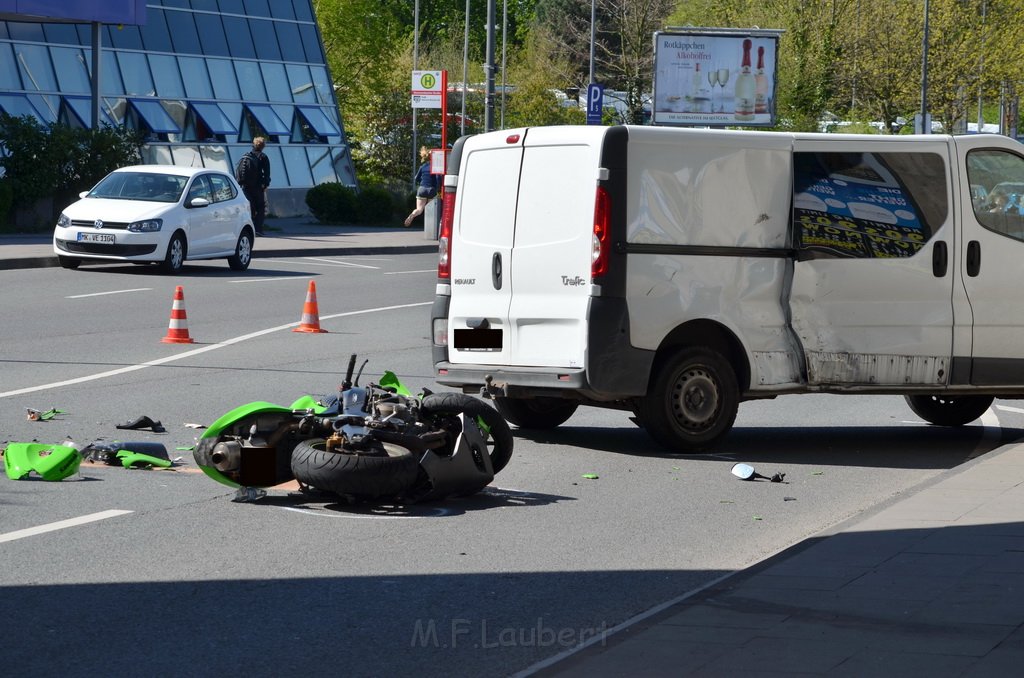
[
  {"x": 715, "y": 77},
  {"x": 108, "y": 11}
]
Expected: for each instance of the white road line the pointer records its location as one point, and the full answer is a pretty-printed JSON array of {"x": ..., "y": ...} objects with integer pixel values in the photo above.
[
  {"x": 61, "y": 524},
  {"x": 100, "y": 294},
  {"x": 340, "y": 263},
  {"x": 426, "y": 270},
  {"x": 254, "y": 280},
  {"x": 317, "y": 262},
  {"x": 1007, "y": 408},
  {"x": 196, "y": 351}
]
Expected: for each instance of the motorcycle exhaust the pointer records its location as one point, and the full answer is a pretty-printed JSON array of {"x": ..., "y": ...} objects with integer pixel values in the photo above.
[{"x": 226, "y": 456}]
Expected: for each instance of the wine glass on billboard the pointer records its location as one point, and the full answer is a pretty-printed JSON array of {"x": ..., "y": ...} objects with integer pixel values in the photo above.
[
  {"x": 723, "y": 77},
  {"x": 712, "y": 81}
]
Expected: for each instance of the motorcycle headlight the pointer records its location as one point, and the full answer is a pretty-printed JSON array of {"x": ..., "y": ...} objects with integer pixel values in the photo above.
[
  {"x": 63, "y": 221},
  {"x": 147, "y": 226}
]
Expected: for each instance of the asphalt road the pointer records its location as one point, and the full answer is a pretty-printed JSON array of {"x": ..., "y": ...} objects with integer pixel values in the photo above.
[{"x": 164, "y": 574}]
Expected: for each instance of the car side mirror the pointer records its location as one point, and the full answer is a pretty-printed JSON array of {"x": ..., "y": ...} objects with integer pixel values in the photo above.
[
  {"x": 83, "y": 194},
  {"x": 198, "y": 202}
]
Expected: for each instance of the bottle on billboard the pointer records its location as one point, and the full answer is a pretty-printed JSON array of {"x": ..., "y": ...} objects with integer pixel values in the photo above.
[
  {"x": 745, "y": 87},
  {"x": 760, "y": 85}
]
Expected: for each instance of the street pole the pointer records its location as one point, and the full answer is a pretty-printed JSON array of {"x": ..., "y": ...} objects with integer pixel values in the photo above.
[
  {"x": 465, "y": 69},
  {"x": 981, "y": 67},
  {"x": 593, "y": 35},
  {"x": 926, "y": 128},
  {"x": 415, "y": 65},
  {"x": 489, "y": 68},
  {"x": 504, "y": 40}
]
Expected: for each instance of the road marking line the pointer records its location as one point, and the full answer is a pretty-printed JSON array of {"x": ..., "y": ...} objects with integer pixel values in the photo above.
[
  {"x": 197, "y": 351},
  {"x": 100, "y": 294},
  {"x": 286, "y": 278},
  {"x": 61, "y": 524},
  {"x": 313, "y": 262},
  {"x": 1007, "y": 408},
  {"x": 336, "y": 262},
  {"x": 426, "y": 270}
]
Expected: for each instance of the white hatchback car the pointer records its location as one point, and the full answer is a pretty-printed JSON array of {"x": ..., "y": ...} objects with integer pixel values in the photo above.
[{"x": 158, "y": 213}]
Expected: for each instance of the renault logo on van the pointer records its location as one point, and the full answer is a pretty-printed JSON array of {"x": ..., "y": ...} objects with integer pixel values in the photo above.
[
  {"x": 573, "y": 282},
  {"x": 465, "y": 281}
]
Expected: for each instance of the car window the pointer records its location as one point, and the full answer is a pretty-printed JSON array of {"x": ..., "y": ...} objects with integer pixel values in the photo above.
[
  {"x": 867, "y": 205},
  {"x": 222, "y": 188},
  {"x": 997, "y": 191},
  {"x": 200, "y": 189},
  {"x": 147, "y": 186}
]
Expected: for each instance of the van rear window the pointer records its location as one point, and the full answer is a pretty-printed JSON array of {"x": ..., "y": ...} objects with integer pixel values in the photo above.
[{"x": 867, "y": 205}]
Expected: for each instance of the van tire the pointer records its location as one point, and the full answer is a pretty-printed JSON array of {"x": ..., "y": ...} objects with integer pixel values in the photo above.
[
  {"x": 692, "y": 401},
  {"x": 536, "y": 413},
  {"x": 498, "y": 434},
  {"x": 949, "y": 410},
  {"x": 390, "y": 470}
]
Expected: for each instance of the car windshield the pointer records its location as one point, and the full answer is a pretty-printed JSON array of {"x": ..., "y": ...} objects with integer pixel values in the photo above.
[{"x": 140, "y": 186}]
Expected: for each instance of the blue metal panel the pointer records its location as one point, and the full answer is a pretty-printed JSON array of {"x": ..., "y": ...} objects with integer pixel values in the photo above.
[
  {"x": 18, "y": 105},
  {"x": 268, "y": 119},
  {"x": 82, "y": 107},
  {"x": 214, "y": 117},
  {"x": 155, "y": 116},
  {"x": 319, "y": 121}
]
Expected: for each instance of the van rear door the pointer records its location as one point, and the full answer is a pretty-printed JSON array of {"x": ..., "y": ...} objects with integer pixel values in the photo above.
[
  {"x": 482, "y": 231},
  {"x": 521, "y": 247}
]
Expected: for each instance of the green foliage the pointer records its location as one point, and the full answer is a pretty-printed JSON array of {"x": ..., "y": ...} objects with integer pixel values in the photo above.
[
  {"x": 44, "y": 161},
  {"x": 374, "y": 205},
  {"x": 332, "y": 203},
  {"x": 6, "y": 200}
]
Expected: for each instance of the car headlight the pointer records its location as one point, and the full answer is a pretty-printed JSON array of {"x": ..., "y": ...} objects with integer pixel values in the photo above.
[
  {"x": 63, "y": 221},
  {"x": 147, "y": 226}
]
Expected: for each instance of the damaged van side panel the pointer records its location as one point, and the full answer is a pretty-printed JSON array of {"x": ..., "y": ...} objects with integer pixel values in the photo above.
[{"x": 709, "y": 222}]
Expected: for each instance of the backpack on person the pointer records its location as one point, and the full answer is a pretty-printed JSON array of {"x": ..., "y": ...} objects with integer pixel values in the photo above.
[{"x": 245, "y": 171}]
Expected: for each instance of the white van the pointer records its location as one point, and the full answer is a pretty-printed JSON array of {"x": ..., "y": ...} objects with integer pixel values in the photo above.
[{"x": 677, "y": 272}]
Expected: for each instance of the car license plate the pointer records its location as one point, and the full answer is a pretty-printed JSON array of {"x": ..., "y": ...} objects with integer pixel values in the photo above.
[{"x": 96, "y": 237}]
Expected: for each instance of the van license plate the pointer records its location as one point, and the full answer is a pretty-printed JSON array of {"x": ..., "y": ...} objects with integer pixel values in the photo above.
[
  {"x": 107, "y": 238},
  {"x": 478, "y": 340}
]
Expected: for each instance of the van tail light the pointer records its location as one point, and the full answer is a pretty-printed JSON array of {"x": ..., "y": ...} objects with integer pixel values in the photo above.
[
  {"x": 601, "y": 239},
  {"x": 444, "y": 237}
]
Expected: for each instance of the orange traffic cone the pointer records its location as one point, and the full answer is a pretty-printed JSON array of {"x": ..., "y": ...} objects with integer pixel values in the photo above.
[
  {"x": 177, "y": 330},
  {"x": 310, "y": 314}
]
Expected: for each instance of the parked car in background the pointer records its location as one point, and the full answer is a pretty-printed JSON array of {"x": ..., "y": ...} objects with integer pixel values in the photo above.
[{"x": 160, "y": 214}]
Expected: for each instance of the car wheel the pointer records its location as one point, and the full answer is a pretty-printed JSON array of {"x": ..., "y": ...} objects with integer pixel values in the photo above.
[
  {"x": 949, "y": 410},
  {"x": 536, "y": 413},
  {"x": 176, "y": 252},
  {"x": 692, "y": 401},
  {"x": 68, "y": 262},
  {"x": 239, "y": 261}
]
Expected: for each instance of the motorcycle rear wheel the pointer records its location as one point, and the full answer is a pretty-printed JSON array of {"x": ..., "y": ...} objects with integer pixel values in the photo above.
[
  {"x": 498, "y": 434},
  {"x": 365, "y": 475}
]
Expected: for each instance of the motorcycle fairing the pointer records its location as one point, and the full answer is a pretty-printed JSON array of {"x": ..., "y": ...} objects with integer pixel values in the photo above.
[{"x": 51, "y": 462}]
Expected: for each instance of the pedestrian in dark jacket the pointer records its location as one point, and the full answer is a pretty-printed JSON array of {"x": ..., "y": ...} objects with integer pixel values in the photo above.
[
  {"x": 426, "y": 186},
  {"x": 253, "y": 175}
]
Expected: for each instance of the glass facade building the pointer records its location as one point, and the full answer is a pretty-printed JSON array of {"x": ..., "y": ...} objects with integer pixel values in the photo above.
[{"x": 199, "y": 79}]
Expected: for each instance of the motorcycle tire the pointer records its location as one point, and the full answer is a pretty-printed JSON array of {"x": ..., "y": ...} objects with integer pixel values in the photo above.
[
  {"x": 498, "y": 435},
  {"x": 390, "y": 471}
]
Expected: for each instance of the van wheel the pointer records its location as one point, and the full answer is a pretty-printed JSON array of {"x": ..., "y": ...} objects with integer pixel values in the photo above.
[
  {"x": 692, "y": 402},
  {"x": 949, "y": 410},
  {"x": 535, "y": 412}
]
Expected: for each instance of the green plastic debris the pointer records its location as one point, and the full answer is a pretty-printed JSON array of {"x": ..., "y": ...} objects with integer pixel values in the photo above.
[
  {"x": 817, "y": 473},
  {"x": 757, "y": 518},
  {"x": 591, "y": 476},
  {"x": 131, "y": 459},
  {"x": 38, "y": 415},
  {"x": 51, "y": 462}
]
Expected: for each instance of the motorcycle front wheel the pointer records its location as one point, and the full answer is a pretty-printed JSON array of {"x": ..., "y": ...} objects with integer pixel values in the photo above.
[{"x": 389, "y": 471}]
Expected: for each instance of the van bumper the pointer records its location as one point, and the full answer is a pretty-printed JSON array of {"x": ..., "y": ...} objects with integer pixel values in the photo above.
[{"x": 511, "y": 380}]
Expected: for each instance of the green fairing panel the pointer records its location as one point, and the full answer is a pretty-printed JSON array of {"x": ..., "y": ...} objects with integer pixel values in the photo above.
[
  {"x": 308, "y": 402},
  {"x": 225, "y": 420},
  {"x": 131, "y": 459},
  {"x": 51, "y": 462},
  {"x": 389, "y": 380}
]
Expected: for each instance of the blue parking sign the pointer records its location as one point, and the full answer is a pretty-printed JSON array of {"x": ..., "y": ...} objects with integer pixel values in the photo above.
[{"x": 595, "y": 103}]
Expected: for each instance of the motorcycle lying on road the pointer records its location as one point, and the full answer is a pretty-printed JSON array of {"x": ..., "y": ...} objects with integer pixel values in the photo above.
[{"x": 363, "y": 443}]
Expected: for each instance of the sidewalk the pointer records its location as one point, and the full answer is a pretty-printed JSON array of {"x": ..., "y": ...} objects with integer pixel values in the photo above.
[
  {"x": 930, "y": 584},
  {"x": 286, "y": 237}
]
